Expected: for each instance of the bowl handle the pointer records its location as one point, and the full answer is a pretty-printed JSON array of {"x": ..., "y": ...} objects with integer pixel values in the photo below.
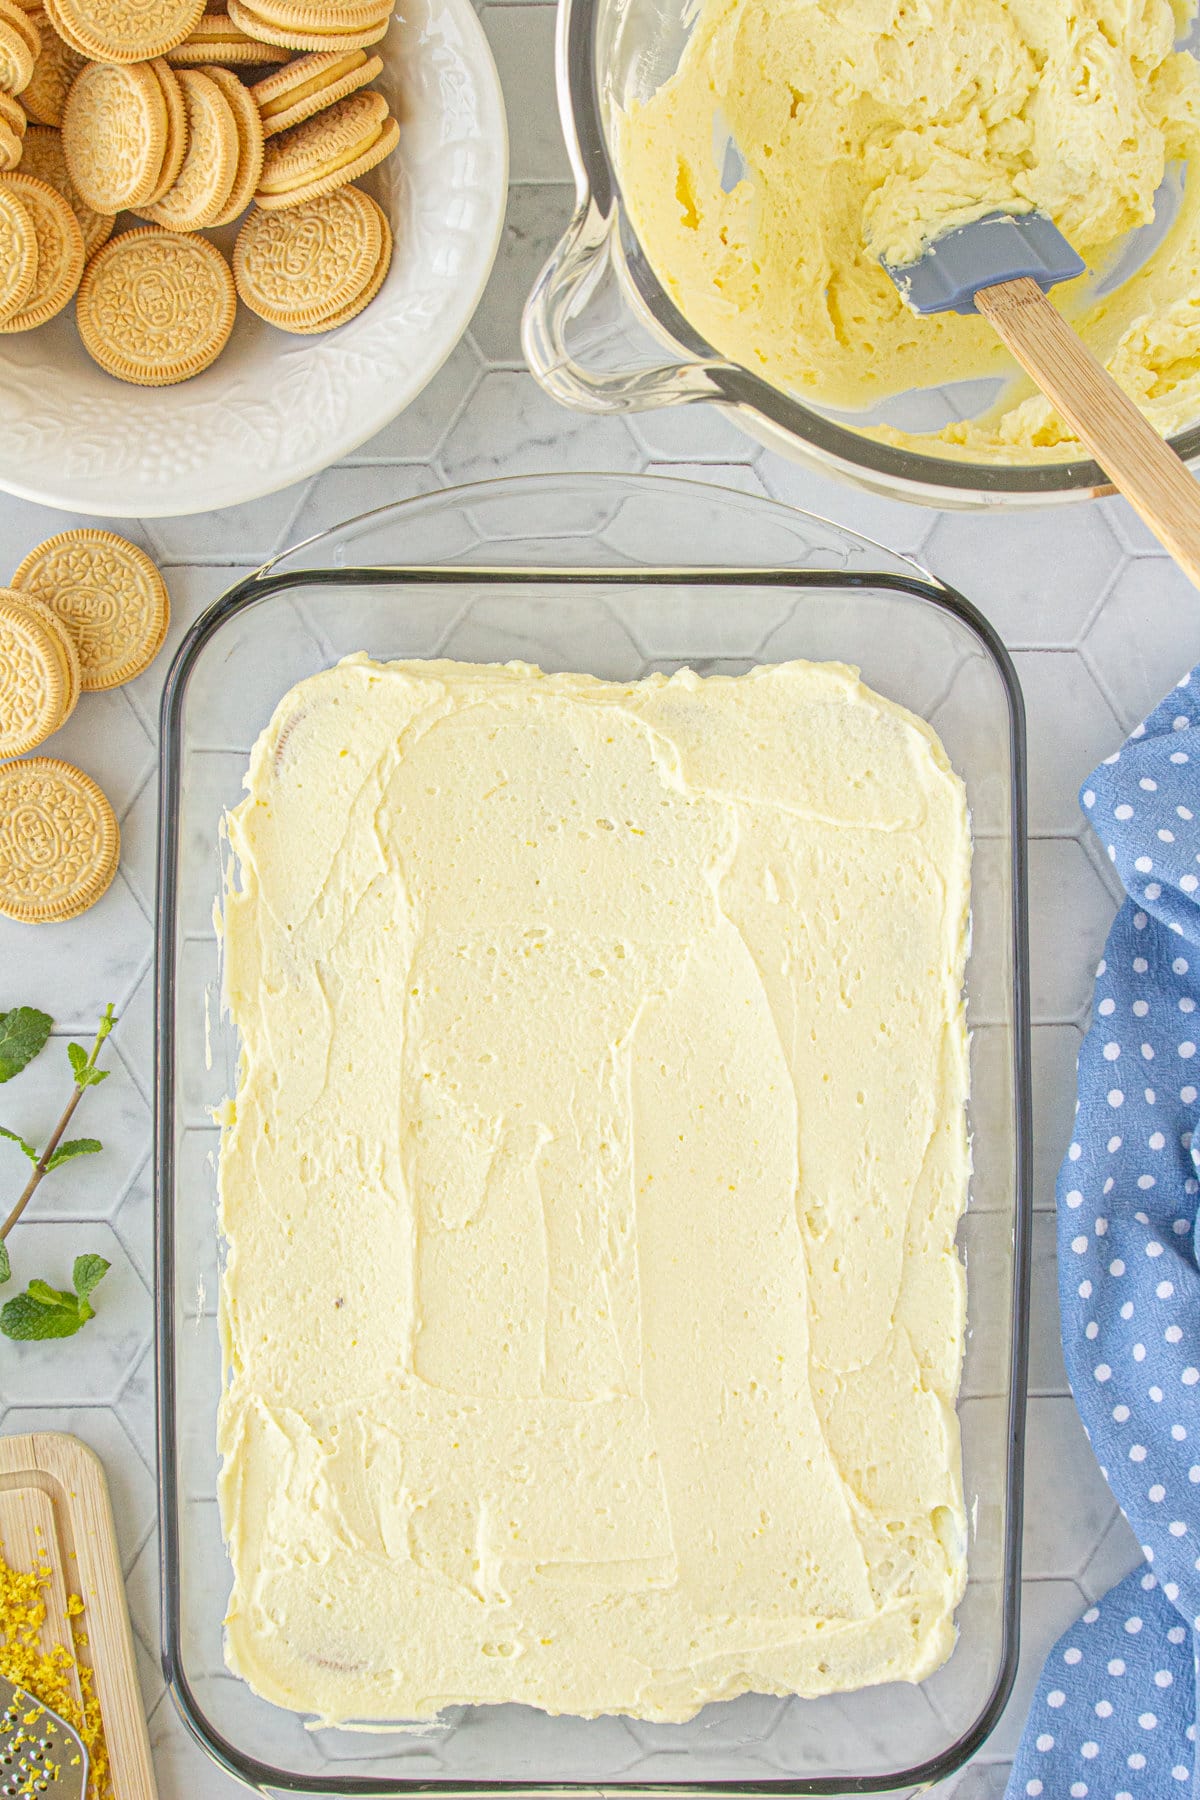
[{"x": 582, "y": 259}]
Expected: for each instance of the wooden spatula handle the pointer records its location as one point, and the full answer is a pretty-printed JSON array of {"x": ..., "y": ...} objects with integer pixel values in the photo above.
[{"x": 1156, "y": 484}]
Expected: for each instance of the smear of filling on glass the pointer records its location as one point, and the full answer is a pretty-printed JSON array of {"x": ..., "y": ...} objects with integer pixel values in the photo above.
[
  {"x": 864, "y": 130},
  {"x": 592, "y": 1310}
]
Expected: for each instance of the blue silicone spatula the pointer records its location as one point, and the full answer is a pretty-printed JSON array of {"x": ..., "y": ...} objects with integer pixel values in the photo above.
[{"x": 1002, "y": 267}]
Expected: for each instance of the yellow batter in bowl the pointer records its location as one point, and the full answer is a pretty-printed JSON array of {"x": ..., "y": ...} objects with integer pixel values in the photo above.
[{"x": 865, "y": 127}]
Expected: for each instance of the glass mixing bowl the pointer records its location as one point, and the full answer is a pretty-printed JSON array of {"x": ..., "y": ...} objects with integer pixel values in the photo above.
[
  {"x": 598, "y": 318},
  {"x": 615, "y": 576}
]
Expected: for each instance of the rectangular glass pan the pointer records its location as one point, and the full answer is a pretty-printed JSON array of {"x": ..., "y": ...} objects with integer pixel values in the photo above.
[{"x": 613, "y": 576}]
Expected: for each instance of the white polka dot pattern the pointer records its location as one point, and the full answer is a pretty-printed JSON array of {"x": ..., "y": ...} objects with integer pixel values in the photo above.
[{"x": 1115, "y": 1709}]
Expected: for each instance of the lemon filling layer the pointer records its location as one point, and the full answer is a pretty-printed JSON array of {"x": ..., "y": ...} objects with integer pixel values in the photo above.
[{"x": 592, "y": 1312}]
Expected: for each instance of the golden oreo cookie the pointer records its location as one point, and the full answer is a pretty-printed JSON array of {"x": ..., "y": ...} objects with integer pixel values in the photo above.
[
  {"x": 290, "y": 95},
  {"x": 251, "y": 143},
  {"x": 17, "y": 56},
  {"x": 13, "y": 125},
  {"x": 202, "y": 189},
  {"x": 34, "y": 685},
  {"x": 326, "y": 17},
  {"x": 156, "y": 307},
  {"x": 177, "y": 128},
  {"x": 327, "y": 151},
  {"x": 59, "y": 841},
  {"x": 64, "y": 647},
  {"x": 250, "y": 21},
  {"x": 50, "y": 8},
  {"x": 18, "y": 254},
  {"x": 114, "y": 134},
  {"x": 60, "y": 252},
  {"x": 364, "y": 297},
  {"x": 107, "y": 595},
  {"x": 45, "y": 93},
  {"x": 217, "y": 40},
  {"x": 25, "y": 23},
  {"x": 297, "y": 268},
  {"x": 42, "y": 155},
  {"x": 125, "y": 31}
]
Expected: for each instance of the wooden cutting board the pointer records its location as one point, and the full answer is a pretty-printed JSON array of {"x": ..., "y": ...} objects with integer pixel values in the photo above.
[{"x": 54, "y": 1508}]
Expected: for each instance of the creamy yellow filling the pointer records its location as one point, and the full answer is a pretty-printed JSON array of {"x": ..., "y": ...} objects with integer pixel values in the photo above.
[
  {"x": 290, "y": 97},
  {"x": 592, "y": 1312},
  {"x": 292, "y": 177},
  {"x": 867, "y": 129}
]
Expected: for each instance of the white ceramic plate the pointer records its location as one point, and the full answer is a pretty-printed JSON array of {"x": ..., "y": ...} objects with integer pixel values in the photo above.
[{"x": 275, "y": 408}]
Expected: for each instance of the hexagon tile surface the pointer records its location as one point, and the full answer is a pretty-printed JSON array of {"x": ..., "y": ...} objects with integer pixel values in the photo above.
[{"x": 1100, "y": 624}]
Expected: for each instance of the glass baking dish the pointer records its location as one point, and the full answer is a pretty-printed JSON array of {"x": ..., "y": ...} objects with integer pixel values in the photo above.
[
  {"x": 598, "y": 319},
  {"x": 615, "y": 576}
]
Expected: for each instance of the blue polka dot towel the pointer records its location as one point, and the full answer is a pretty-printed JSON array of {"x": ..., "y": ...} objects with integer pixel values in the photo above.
[{"x": 1115, "y": 1712}]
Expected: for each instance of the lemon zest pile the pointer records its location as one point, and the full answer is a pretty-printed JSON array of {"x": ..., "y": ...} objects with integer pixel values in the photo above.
[{"x": 47, "y": 1674}]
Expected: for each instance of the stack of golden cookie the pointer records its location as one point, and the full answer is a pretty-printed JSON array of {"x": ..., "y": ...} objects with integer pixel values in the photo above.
[
  {"x": 185, "y": 118},
  {"x": 85, "y": 611}
]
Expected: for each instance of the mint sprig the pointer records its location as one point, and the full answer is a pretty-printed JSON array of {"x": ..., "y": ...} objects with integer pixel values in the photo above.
[{"x": 43, "y": 1311}]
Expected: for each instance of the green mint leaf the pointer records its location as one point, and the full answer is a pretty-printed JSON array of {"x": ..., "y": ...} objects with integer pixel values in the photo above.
[
  {"x": 5, "y": 1264},
  {"x": 23, "y": 1032},
  {"x": 27, "y": 1316},
  {"x": 29, "y": 1150},
  {"x": 79, "y": 1058},
  {"x": 50, "y": 1296},
  {"x": 92, "y": 1077},
  {"x": 43, "y": 1311},
  {"x": 73, "y": 1147},
  {"x": 87, "y": 1273}
]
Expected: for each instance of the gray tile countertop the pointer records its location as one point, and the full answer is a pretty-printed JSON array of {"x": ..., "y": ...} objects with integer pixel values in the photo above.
[{"x": 1100, "y": 625}]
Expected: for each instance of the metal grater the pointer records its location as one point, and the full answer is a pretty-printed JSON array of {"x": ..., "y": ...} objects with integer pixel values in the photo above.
[{"x": 45, "y": 1756}]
